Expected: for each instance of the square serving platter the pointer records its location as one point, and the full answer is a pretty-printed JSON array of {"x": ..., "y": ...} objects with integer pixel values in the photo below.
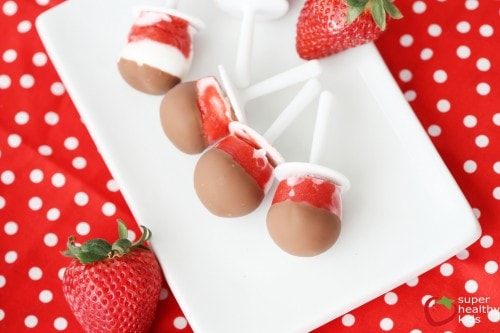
[{"x": 403, "y": 215}]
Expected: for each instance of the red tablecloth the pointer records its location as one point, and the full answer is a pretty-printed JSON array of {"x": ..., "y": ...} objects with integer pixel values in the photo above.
[{"x": 53, "y": 182}]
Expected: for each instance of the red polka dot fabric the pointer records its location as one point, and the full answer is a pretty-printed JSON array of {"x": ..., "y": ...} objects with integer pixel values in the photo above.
[{"x": 53, "y": 182}]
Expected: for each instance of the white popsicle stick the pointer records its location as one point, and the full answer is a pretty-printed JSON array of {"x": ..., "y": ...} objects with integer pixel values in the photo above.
[
  {"x": 239, "y": 97},
  {"x": 326, "y": 104},
  {"x": 303, "y": 98},
  {"x": 250, "y": 11}
]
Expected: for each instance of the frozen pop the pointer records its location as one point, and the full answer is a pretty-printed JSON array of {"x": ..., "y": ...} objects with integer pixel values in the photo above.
[
  {"x": 306, "y": 212},
  {"x": 232, "y": 178},
  {"x": 250, "y": 11},
  {"x": 195, "y": 114},
  {"x": 159, "y": 49}
]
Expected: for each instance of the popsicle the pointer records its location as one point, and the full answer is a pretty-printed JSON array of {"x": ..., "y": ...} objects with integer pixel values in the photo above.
[
  {"x": 250, "y": 11},
  {"x": 195, "y": 114},
  {"x": 159, "y": 49},
  {"x": 232, "y": 178},
  {"x": 306, "y": 212}
]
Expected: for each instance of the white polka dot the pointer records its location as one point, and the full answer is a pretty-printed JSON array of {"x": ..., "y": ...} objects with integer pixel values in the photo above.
[
  {"x": 491, "y": 267},
  {"x": 42, "y": 2},
  {"x": 496, "y": 193},
  {"x": 446, "y": 269},
  {"x": 386, "y": 324},
  {"x": 494, "y": 315},
  {"x": 486, "y": 30},
  {"x": 60, "y": 273},
  {"x": 36, "y": 176},
  {"x": 3, "y": 282},
  {"x": 463, "y": 52},
  {"x": 14, "y": 140},
  {"x": 50, "y": 239},
  {"x": 180, "y": 323},
  {"x": 348, "y": 320},
  {"x": 434, "y": 130},
  {"x": 27, "y": 81},
  {"x": 391, "y": 298},
  {"x": 108, "y": 209},
  {"x": 131, "y": 235},
  {"x": 51, "y": 118},
  {"x": 60, "y": 324},
  {"x": 440, "y": 76},
  {"x": 53, "y": 214},
  {"x": 470, "y": 166},
  {"x": 483, "y": 88},
  {"x": 22, "y": 118},
  {"x": 477, "y": 212},
  {"x": 10, "y": 228},
  {"x": 471, "y": 4},
  {"x": 30, "y": 321},
  {"x": 5, "y": 81},
  {"x": 9, "y": 55},
  {"x": 57, "y": 89},
  {"x": 443, "y": 105},
  {"x": 462, "y": 255},
  {"x": 58, "y": 180},
  {"x": 410, "y": 95},
  {"x": 496, "y": 167},
  {"x": 483, "y": 64},
  {"x": 163, "y": 294},
  {"x": 426, "y": 54},
  {"x": 468, "y": 320},
  {"x": 35, "y": 203},
  {"x": 81, "y": 198},
  {"x": 471, "y": 286},
  {"x": 470, "y": 121},
  {"x": 7, "y": 177},
  {"x": 35, "y": 273},
  {"x": 39, "y": 59},
  {"x": 496, "y": 119},
  {"x": 10, "y": 257},
  {"x": 434, "y": 30},
  {"x": 112, "y": 185},
  {"x": 9, "y": 8},
  {"x": 482, "y": 141},
  {"x": 71, "y": 143},
  {"x": 463, "y": 27},
  {"x": 45, "y": 296},
  {"x": 412, "y": 282},
  {"x": 406, "y": 40},
  {"x": 79, "y": 162},
  {"x": 405, "y": 75},
  {"x": 24, "y": 26},
  {"x": 419, "y": 7},
  {"x": 45, "y": 150},
  {"x": 83, "y": 228},
  {"x": 2, "y": 202}
]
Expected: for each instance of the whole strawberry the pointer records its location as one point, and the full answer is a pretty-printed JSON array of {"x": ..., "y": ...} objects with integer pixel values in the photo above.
[
  {"x": 113, "y": 287},
  {"x": 326, "y": 27}
]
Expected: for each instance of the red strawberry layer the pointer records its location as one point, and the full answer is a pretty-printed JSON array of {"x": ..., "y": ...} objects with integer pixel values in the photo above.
[
  {"x": 215, "y": 111},
  {"x": 317, "y": 192},
  {"x": 250, "y": 158},
  {"x": 172, "y": 32}
]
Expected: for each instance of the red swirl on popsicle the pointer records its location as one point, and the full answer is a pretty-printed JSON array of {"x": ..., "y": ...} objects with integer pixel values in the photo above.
[
  {"x": 306, "y": 212},
  {"x": 159, "y": 49}
]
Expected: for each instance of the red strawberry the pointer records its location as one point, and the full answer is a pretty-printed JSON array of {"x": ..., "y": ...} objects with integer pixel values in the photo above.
[
  {"x": 113, "y": 288},
  {"x": 326, "y": 27}
]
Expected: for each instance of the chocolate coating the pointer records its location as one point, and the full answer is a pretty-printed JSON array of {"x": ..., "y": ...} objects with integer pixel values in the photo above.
[
  {"x": 145, "y": 78},
  {"x": 181, "y": 119},
  {"x": 301, "y": 229},
  {"x": 224, "y": 187}
]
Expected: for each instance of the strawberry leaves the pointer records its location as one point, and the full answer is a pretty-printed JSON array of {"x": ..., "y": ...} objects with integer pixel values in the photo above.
[
  {"x": 99, "y": 249},
  {"x": 378, "y": 8}
]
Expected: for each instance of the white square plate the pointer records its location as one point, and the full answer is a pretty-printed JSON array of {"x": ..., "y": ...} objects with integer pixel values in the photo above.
[{"x": 403, "y": 215}]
